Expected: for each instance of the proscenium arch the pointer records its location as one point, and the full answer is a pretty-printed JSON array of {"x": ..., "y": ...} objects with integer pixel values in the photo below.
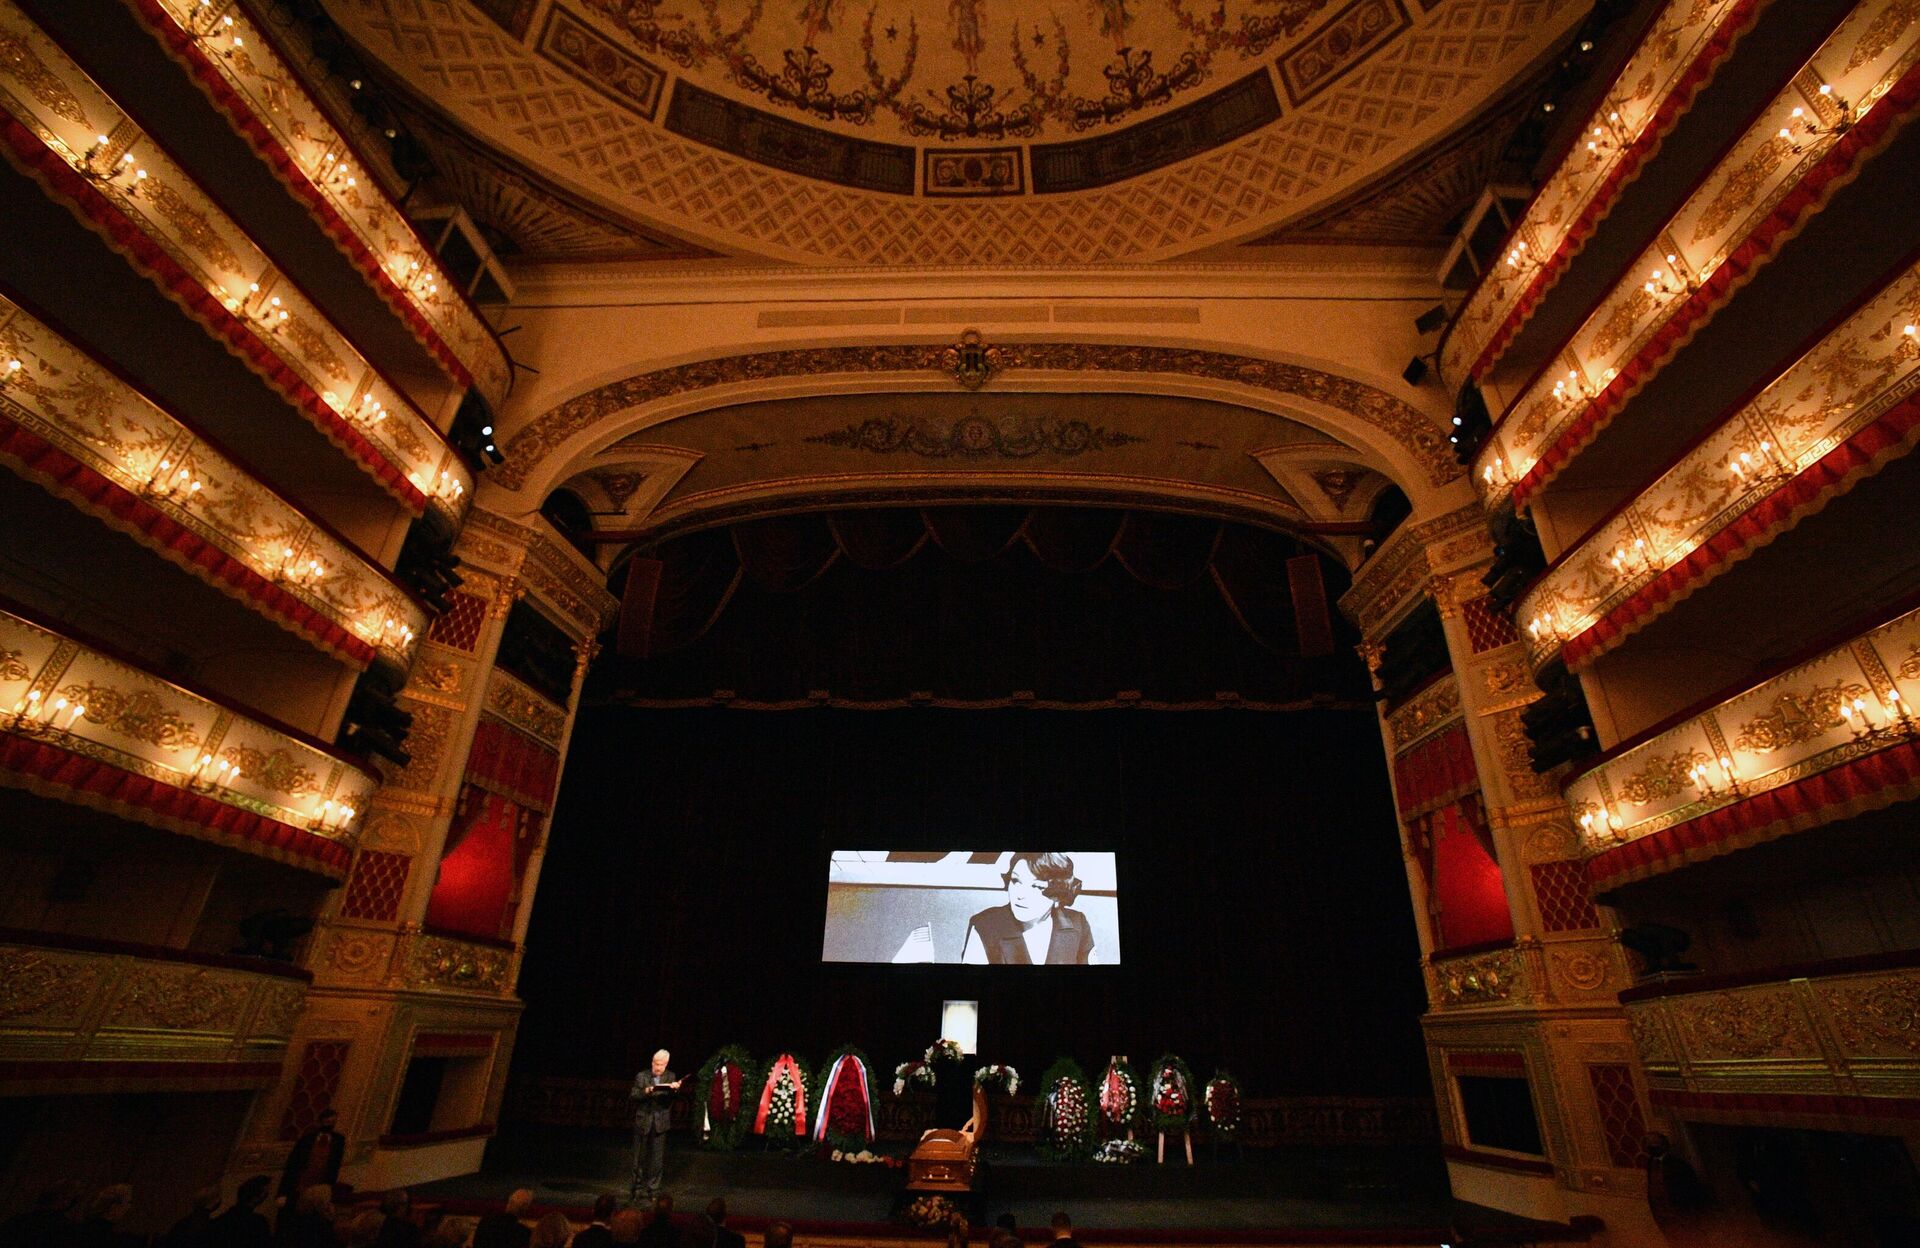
[{"x": 1383, "y": 432}]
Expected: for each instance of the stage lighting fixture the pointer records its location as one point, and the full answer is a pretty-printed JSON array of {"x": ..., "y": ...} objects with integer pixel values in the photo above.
[{"x": 1433, "y": 318}]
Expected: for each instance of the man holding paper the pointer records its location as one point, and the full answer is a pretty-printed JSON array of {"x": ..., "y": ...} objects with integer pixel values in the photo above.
[{"x": 652, "y": 1095}]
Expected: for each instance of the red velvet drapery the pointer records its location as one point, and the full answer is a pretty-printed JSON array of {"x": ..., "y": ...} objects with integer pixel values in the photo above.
[
  {"x": 506, "y": 761},
  {"x": 477, "y": 890},
  {"x": 1434, "y": 772}
]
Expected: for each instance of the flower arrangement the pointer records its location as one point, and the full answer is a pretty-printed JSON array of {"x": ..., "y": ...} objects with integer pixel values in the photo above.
[
  {"x": 844, "y": 1115},
  {"x": 1223, "y": 1102},
  {"x": 1171, "y": 1097},
  {"x": 724, "y": 1080},
  {"x": 932, "y": 1212},
  {"x": 915, "y": 1074},
  {"x": 1063, "y": 1112},
  {"x": 784, "y": 1097},
  {"x": 998, "y": 1079},
  {"x": 943, "y": 1051},
  {"x": 1119, "y": 1097},
  {"x": 866, "y": 1157},
  {"x": 1120, "y": 1152}
]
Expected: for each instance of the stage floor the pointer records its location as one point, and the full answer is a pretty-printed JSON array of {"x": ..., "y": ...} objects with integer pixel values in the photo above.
[{"x": 1267, "y": 1190}]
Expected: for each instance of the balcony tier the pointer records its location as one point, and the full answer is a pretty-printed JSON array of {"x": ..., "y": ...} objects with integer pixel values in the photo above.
[
  {"x": 93, "y": 1016},
  {"x": 1683, "y": 45},
  {"x": 1859, "y": 86},
  {"x": 80, "y": 724},
  {"x": 1831, "y": 418},
  {"x": 1832, "y": 735},
  {"x": 68, "y": 422},
  {"x": 241, "y": 68},
  {"x": 1817, "y": 1043},
  {"x": 63, "y": 130}
]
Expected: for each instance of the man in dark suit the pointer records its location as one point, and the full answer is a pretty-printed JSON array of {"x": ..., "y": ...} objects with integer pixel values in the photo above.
[
  {"x": 652, "y": 1095},
  {"x": 508, "y": 1228},
  {"x": 315, "y": 1159},
  {"x": 599, "y": 1232}
]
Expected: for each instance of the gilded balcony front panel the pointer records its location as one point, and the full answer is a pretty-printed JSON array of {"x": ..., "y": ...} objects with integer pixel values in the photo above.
[
  {"x": 98, "y": 1009},
  {"x": 1746, "y": 480},
  {"x": 85, "y": 726},
  {"x": 1679, "y": 52},
  {"x": 130, "y": 463},
  {"x": 1830, "y": 736},
  {"x": 1847, "y": 1034},
  {"x": 1858, "y": 86},
  {"x": 57, "y": 124},
  {"x": 237, "y": 63}
]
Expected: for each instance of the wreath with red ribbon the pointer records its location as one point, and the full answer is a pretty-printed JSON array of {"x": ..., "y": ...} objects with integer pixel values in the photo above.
[
  {"x": 1119, "y": 1097},
  {"x": 1171, "y": 1096},
  {"x": 785, "y": 1095},
  {"x": 724, "y": 1082},
  {"x": 1224, "y": 1103},
  {"x": 844, "y": 1116}
]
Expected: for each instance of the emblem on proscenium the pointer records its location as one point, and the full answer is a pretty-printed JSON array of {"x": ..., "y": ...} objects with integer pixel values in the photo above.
[{"x": 971, "y": 361}]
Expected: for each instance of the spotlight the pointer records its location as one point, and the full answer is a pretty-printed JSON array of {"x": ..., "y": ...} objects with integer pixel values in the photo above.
[
  {"x": 1433, "y": 318},
  {"x": 1416, "y": 371}
]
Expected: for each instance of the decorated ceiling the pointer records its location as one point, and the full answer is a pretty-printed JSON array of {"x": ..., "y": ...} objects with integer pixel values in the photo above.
[{"x": 960, "y": 131}]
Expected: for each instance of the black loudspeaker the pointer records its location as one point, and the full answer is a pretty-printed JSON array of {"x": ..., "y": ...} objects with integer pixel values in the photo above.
[
  {"x": 1416, "y": 370},
  {"x": 1433, "y": 318}
]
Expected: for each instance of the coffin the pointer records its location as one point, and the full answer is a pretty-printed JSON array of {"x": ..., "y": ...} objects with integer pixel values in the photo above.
[{"x": 942, "y": 1162}]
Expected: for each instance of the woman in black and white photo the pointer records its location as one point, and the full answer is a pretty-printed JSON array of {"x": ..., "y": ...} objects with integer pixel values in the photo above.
[{"x": 1037, "y": 924}]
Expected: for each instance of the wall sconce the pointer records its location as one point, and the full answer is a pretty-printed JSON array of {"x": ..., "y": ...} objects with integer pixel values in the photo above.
[
  {"x": 1603, "y": 141},
  {"x": 97, "y": 166},
  {"x": 34, "y": 716},
  {"x": 168, "y": 480},
  {"x": 267, "y": 314}
]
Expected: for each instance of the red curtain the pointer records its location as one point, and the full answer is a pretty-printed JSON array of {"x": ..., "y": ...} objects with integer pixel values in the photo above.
[
  {"x": 1466, "y": 895},
  {"x": 478, "y": 888},
  {"x": 513, "y": 764},
  {"x": 1435, "y": 772}
]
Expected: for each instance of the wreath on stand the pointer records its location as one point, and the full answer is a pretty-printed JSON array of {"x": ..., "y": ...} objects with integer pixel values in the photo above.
[
  {"x": 844, "y": 1117},
  {"x": 997, "y": 1078},
  {"x": 943, "y": 1051},
  {"x": 723, "y": 1083},
  {"x": 1119, "y": 1098},
  {"x": 785, "y": 1096},
  {"x": 1223, "y": 1103},
  {"x": 1063, "y": 1112},
  {"x": 913, "y": 1074},
  {"x": 1171, "y": 1099}
]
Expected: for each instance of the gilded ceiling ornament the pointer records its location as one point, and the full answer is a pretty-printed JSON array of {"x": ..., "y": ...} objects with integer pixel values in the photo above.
[
  {"x": 1338, "y": 484},
  {"x": 975, "y": 437},
  {"x": 971, "y": 362}
]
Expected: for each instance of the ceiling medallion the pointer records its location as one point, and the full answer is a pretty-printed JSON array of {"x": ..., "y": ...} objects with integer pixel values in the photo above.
[{"x": 971, "y": 361}]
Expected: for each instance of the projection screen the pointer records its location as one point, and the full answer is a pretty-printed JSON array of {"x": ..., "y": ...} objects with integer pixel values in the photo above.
[{"x": 977, "y": 907}]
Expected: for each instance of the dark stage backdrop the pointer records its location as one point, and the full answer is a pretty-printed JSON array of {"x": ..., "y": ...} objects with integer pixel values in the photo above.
[{"x": 1264, "y": 910}]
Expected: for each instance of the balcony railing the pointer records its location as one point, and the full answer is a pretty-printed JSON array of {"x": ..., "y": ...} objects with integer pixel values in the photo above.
[
  {"x": 1684, "y": 44},
  {"x": 70, "y": 423},
  {"x": 1830, "y": 418},
  {"x": 1860, "y": 84},
  {"x": 84, "y": 149},
  {"x": 1832, "y": 735},
  {"x": 90, "y": 1014},
  {"x": 1824, "y": 1040},
  {"x": 83, "y": 725},
  {"x": 238, "y": 65}
]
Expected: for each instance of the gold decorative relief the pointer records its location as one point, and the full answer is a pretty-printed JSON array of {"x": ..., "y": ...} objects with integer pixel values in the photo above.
[
  {"x": 12, "y": 666},
  {"x": 181, "y": 999},
  {"x": 1483, "y": 979},
  {"x": 1650, "y": 1036},
  {"x": 1796, "y": 716},
  {"x": 1742, "y": 187},
  {"x": 1745, "y": 1025},
  {"x": 19, "y": 61},
  {"x": 358, "y": 955},
  {"x": 276, "y": 770},
  {"x": 1876, "y": 1015},
  {"x": 191, "y": 224},
  {"x": 1516, "y": 757},
  {"x": 280, "y": 1009},
  {"x": 1663, "y": 777},
  {"x": 427, "y": 747},
  {"x": 1580, "y": 970},
  {"x": 437, "y": 677},
  {"x": 1433, "y": 706},
  {"x": 525, "y": 709},
  {"x": 139, "y": 715},
  {"x": 35, "y": 985},
  {"x": 442, "y": 963}
]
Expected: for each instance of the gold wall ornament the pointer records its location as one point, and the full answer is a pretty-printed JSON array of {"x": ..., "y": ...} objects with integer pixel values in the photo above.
[
  {"x": 1795, "y": 716},
  {"x": 1748, "y": 1024},
  {"x": 1432, "y": 707},
  {"x": 427, "y": 747},
  {"x": 526, "y": 709},
  {"x": 1876, "y": 1014},
  {"x": 139, "y": 715},
  {"x": 1663, "y": 776},
  {"x": 12, "y": 668},
  {"x": 1581, "y": 970},
  {"x": 280, "y": 1009},
  {"x": 1650, "y": 1038},
  {"x": 970, "y": 361},
  {"x": 180, "y": 999},
  {"x": 53, "y": 990},
  {"x": 1482, "y": 979},
  {"x": 442, "y": 962},
  {"x": 276, "y": 770},
  {"x": 1516, "y": 757}
]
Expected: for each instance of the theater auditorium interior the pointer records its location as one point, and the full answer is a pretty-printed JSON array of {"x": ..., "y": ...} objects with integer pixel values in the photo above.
[{"x": 536, "y": 532}]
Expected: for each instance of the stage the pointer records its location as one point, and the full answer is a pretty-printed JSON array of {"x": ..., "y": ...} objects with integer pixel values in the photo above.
[{"x": 1321, "y": 1195}]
